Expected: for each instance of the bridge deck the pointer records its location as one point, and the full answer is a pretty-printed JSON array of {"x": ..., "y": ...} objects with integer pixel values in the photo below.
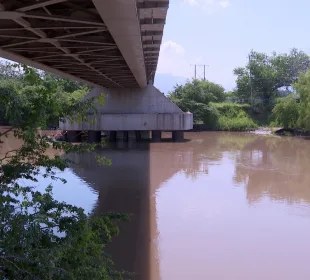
[{"x": 106, "y": 43}]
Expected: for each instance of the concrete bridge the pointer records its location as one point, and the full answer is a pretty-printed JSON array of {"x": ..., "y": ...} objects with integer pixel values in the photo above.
[{"x": 111, "y": 45}]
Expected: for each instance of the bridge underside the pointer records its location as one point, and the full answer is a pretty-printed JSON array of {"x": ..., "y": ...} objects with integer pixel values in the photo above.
[{"x": 110, "y": 44}]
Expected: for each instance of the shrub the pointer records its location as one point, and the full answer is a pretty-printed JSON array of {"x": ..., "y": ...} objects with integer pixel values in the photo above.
[
  {"x": 234, "y": 117},
  {"x": 231, "y": 108},
  {"x": 286, "y": 112},
  {"x": 211, "y": 116}
]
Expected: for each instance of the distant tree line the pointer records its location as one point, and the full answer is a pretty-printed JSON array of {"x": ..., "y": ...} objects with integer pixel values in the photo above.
[{"x": 275, "y": 87}]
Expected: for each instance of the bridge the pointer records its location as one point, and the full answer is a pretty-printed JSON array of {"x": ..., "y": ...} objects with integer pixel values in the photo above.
[{"x": 111, "y": 45}]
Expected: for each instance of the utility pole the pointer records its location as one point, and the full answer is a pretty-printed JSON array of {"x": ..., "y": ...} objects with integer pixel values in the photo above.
[
  {"x": 204, "y": 70},
  {"x": 251, "y": 87}
]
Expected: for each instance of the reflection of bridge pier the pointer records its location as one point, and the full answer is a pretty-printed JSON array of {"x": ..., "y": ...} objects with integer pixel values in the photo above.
[{"x": 130, "y": 185}]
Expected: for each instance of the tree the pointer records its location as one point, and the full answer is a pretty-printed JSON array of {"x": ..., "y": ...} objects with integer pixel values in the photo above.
[
  {"x": 41, "y": 238},
  {"x": 302, "y": 88},
  {"x": 195, "y": 96},
  {"x": 269, "y": 74},
  {"x": 18, "y": 79},
  {"x": 286, "y": 112}
]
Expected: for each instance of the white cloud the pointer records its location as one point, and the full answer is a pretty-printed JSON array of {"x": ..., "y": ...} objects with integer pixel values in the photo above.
[
  {"x": 173, "y": 60},
  {"x": 170, "y": 45},
  {"x": 191, "y": 2},
  {"x": 225, "y": 3},
  {"x": 209, "y": 4}
]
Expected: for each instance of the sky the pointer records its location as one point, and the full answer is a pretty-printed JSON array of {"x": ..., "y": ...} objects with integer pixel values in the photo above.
[{"x": 221, "y": 33}]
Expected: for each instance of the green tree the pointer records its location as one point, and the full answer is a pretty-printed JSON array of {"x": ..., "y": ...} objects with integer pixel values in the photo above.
[
  {"x": 195, "y": 96},
  {"x": 18, "y": 78},
  {"x": 286, "y": 112},
  {"x": 302, "y": 87},
  {"x": 269, "y": 74},
  {"x": 41, "y": 238}
]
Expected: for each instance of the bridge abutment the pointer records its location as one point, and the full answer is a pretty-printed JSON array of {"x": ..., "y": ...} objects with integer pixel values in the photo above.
[{"x": 138, "y": 109}]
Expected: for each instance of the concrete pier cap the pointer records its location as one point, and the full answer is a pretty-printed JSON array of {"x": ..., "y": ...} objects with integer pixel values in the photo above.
[{"x": 137, "y": 109}]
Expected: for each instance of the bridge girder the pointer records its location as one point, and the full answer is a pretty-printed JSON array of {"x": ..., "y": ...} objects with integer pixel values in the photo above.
[{"x": 103, "y": 43}]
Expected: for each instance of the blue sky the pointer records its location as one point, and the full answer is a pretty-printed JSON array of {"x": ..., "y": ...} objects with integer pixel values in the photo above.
[{"x": 221, "y": 33}]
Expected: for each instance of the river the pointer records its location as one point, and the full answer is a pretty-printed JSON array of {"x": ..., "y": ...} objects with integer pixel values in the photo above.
[{"x": 218, "y": 206}]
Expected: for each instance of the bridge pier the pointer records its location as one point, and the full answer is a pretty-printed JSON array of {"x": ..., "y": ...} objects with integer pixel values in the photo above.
[
  {"x": 177, "y": 136},
  {"x": 94, "y": 136},
  {"x": 136, "y": 109},
  {"x": 156, "y": 135},
  {"x": 125, "y": 136},
  {"x": 74, "y": 136},
  {"x": 138, "y": 136},
  {"x": 113, "y": 136}
]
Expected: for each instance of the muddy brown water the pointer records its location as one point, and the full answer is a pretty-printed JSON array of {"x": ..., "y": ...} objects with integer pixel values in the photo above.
[{"x": 219, "y": 206}]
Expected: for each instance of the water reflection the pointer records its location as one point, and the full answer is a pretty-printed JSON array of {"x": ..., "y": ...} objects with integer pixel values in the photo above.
[{"x": 222, "y": 206}]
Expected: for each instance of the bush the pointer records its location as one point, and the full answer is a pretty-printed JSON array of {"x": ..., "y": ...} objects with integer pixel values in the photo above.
[
  {"x": 234, "y": 117},
  {"x": 231, "y": 108},
  {"x": 286, "y": 112},
  {"x": 240, "y": 123},
  {"x": 302, "y": 88},
  {"x": 211, "y": 116}
]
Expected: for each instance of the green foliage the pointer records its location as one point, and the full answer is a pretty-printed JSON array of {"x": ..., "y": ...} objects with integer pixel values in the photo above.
[
  {"x": 286, "y": 112},
  {"x": 234, "y": 117},
  {"x": 195, "y": 96},
  {"x": 269, "y": 74},
  {"x": 211, "y": 116},
  {"x": 199, "y": 91},
  {"x": 303, "y": 89},
  {"x": 231, "y": 108},
  {"x": 240, "y": 122},
  {"x": 22, "y": 82},
  {"x": 41, "y": 238},
  {"x": 199, "y": 97}
]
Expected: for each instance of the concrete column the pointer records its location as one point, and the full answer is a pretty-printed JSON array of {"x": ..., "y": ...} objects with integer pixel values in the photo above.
[
  {"x": 178, "y": 136},
  {"x": 138, "y": 136},
  {"x": 113, "y": 135},
  {"x": 74, "y": 136},
  {"x": 94, "y": 136},
  {"x": 156, "y": 135},
  {"x": 125, "y": 136}
]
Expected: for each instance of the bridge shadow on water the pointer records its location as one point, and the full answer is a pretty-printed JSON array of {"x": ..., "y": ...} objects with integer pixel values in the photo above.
[
  {"x": 127, "y": 186},
  {"x": 130, "y": 185}
]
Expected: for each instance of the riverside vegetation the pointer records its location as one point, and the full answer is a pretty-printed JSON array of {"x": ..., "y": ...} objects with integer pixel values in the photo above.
[
  {"x": 271, "y": 90},
  {"x": 41, "y": 238}
]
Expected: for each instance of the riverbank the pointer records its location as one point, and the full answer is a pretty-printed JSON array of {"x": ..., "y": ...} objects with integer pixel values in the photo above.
[{"x": 292, "y": 132}]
